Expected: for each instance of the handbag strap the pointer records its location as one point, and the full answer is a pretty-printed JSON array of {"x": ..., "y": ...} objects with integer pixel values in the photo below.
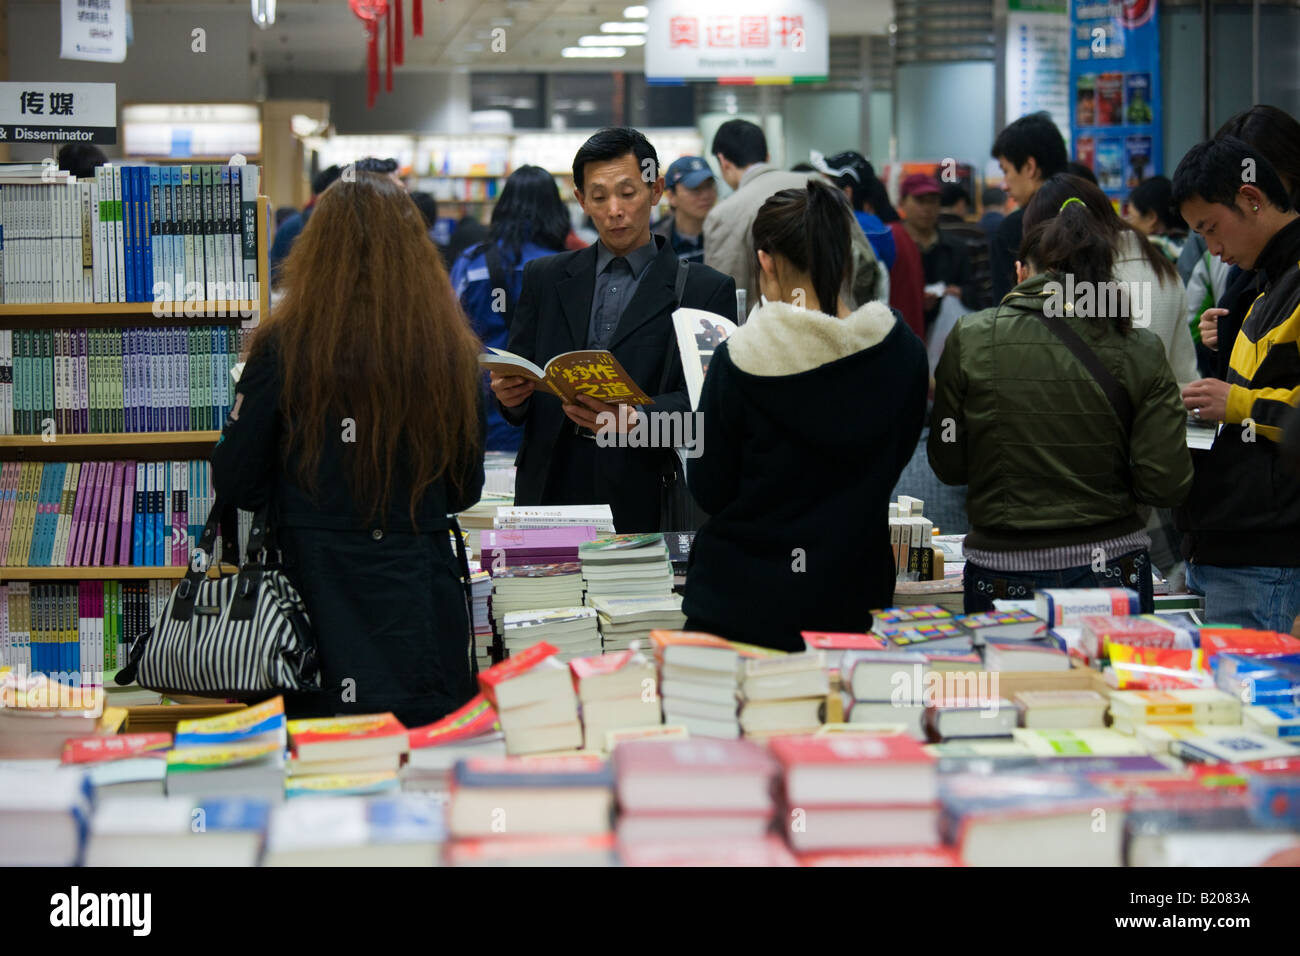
[
  {"x": 668, "y": 468},
  {"x": 1110, "y": 385},
  {"x": 463, "y": 561}
]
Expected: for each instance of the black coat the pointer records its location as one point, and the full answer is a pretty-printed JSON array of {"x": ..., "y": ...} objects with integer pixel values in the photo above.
[
  {"x": 798, "y": 464},
  {"x": 385, "y": 600},
  {"x": 552, "y": 317}
]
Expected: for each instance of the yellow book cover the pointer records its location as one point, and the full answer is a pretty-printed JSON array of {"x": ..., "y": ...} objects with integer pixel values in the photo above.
[
  {"x": 342, "y": 783},
  {"x": 245, "y": 721},
  {"x": 215, "y": 756}
]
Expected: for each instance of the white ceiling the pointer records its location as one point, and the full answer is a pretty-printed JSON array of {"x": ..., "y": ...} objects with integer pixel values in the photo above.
[{"x": 323, "y": 35}]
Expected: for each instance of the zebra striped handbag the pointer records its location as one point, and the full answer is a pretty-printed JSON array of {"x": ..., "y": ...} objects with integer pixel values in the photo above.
[{"x": 240, "y": 636}]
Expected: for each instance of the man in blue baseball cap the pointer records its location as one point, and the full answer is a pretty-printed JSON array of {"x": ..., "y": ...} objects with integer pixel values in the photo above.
[{"x": 691, "y": 193}]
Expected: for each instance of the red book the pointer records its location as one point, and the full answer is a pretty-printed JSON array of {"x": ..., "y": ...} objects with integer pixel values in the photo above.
[
  {"x": 1225, "y": 640},
  {"x": 112, "y": 531},
  {"x": 128, "y": 512},
  {"x": 849, "y": 770},
  {"x": 115, "y": 747},
  {"x": 770, "y": 851},
  {"x": 584, "y": 667},
  {"x": 514, "y": 666},
  {"x": 473, "y": 720},
  {"x": 693, "y": 775},
  {"x": 342, "y": 738},
  {"x": 892, "y": 856},
  {"x": 590, "y": 849},
  {"x": 829, "y": 641}
]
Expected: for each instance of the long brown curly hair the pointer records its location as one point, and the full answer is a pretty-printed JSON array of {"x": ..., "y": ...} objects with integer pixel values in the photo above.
[{"x": 370, "y": 330}]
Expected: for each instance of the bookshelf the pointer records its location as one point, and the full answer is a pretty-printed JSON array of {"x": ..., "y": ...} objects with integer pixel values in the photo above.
[{"x": 141, "y": 446}]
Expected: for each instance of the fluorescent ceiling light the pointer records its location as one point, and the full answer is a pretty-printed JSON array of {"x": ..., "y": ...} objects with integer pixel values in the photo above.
[
  {"x": 635, "y": 13},
  {"x": 592, "y": 51},
  {"x": 619, "y": 27},
  {"x": 594, "y": 41}
]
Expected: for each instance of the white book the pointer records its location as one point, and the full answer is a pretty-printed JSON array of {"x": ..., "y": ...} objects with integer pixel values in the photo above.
[
  {"x": 85, "y": 242},
  {"x": 7, "y": 382},
  {"x": 248, "y": 184},
  {"x": 119, "y": 238},
  {"x": 63, "y": 250},
  {"x": 53, "y": 239},
  {"x": 70, "y": 478},
  {"x": 72, "y": 206},
  {"x": 108, "y": 242},
  {"x": 96, "y": 243},
  {"x": 6, "y": 236}
]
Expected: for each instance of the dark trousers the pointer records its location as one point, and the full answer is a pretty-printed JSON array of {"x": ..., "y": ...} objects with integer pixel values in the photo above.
[
  {"x": 982, "y": 586},
  {"x": 572, "y": 480}
]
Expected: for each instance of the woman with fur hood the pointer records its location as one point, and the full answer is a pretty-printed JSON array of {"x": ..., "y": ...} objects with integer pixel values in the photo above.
[{"x": 810, "y": 412}]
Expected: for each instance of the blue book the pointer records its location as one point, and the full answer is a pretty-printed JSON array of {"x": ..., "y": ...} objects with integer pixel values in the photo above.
[
  {"x": 137, "y": 523},
  {"x": 36, "y": 547},
  {"x": 272, "y": 724},
  {"x": 151, "y": 487},
  {"x": 964, "y": 796},
  {"x": 133, "y": 264},
  {"x": 127, "y": 273},
  {"x": 235, "y": 813},
  {"x": 128, "y": 378},
  {"x": 55, "y": 499},
  {"x": 494, "y": 772},
  {"x": 147, "y": 178},
  {"x": 157, "y": 265},
  {"x": 178, "y": 230},
  {"x": 162, "y": 543}
]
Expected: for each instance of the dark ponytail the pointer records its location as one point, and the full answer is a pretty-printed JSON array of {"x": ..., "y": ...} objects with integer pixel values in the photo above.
[
  {"x": 1073, "y": 243},
  {"x": 812, "y": 229}
]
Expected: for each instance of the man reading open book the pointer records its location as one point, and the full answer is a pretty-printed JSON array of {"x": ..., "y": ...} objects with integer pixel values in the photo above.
[{"x": 617, "y": 295}]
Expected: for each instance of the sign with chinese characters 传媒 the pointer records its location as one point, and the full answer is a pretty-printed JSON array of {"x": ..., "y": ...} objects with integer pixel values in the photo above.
[
  {"x": 763, "y": 41},
  {"x": 40, "y": 112}
]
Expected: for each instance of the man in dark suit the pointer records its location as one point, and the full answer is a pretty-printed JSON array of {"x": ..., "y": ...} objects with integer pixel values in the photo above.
[{"x": 619, "y": 295}]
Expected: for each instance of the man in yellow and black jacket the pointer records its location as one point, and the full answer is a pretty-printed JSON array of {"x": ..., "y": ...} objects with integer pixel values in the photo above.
[{"x": 1241, "y": 522}]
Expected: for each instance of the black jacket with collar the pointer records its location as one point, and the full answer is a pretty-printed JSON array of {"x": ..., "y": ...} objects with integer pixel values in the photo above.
[{"x": 553, "y": 316}]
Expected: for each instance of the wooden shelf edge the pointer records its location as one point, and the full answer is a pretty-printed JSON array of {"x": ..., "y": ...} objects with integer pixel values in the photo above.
[
  {"x": 123, "y": 438},
  {"x": 105, "y": 573}
]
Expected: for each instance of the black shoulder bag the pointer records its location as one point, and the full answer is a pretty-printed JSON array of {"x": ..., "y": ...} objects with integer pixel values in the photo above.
[
  {"x": 1110, "y": 385},
  {"x": 678, "y": 510}
]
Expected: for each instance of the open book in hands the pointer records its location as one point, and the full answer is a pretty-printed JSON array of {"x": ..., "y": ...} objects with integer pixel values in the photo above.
[{"x": 593, "y": 372}]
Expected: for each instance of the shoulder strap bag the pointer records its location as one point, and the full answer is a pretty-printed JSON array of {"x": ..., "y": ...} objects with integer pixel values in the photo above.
[
  {"x": 1110, "y": 385},
  {"x": 242, "y": 636},
  {"x": 677, "y": 508}
]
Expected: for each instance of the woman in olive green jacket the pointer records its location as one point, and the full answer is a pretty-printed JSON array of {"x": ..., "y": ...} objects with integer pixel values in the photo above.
[{"x": 1056, "y": 469}]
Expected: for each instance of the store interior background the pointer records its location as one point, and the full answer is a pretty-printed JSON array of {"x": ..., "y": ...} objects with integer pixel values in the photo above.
[{"x": 911, "y": 80}]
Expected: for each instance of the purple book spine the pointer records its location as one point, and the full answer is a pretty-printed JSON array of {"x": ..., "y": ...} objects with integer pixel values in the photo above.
[
  {"x": 86, "y": 484},
  {"x": 101, "y": 516},
  {"x": 112, "y": 531},
  {"x": 128, "y": 499},
  {"x": 92, "y": 514}
]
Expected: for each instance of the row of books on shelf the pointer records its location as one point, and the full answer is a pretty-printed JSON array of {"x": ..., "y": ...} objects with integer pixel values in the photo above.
[
  {"x": 78, "y": 630},
  {"x": 102, "y": 513},
  {"x": 151, "y": 379},
  {"x": 132, "y": 234}
]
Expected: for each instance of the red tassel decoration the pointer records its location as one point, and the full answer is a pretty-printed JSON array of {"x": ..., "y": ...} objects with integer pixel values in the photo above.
[
  {"x": 417, "y": 17},
  {"x": 400, "y": 51},
  {"x": 388, "y": 53},
  {"x": 372, "y": 64}
]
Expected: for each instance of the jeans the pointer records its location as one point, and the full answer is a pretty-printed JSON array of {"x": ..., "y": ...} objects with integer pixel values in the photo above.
[
  {"x": 982, "y": 586},
  {"x": 1264, "y": 598}
]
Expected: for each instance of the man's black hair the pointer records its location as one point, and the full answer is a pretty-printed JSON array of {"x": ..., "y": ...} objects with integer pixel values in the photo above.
[
  {"x": 992, "y": 197},
  {"x": 80, "y": 159},
  {"x": 1037, "y": 136},
  {"x": 1076, "y": 168},
  {"x": 613, "y": 142},
  {"x": 428, "y": 207},
  {"x": 1217, "y": 169},
  {"x": 803, "y": 168},
  {"x": 952, "y": 193},
  {"x": 740, "y": 143},
  {"x": 325, "y": 179}
]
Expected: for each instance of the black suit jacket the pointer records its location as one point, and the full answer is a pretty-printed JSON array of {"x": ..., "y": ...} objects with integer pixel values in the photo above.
[{"x": 552, "y": 317}]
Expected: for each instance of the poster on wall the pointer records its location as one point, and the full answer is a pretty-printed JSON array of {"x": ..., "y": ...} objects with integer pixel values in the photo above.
[
  {"x": 1038, "y": 60},
  {"x": 94, "y": 30},
  {"x": 761, "y": 41},
  {"x": 1115, "y": 92}
]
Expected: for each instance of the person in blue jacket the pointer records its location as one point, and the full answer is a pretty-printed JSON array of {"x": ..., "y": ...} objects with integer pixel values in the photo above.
[{"x": 529, "y": 221}]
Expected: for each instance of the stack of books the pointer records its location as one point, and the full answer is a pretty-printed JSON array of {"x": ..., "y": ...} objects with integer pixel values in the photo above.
[
  {"x": 1061, "y": 709},
  {"x": 845, "y": 792},
  {"x": 625, "y": 621},
  {"x": 332, "y": 755},
  {"x": 471, "y": 731},
  {"x": 509, "y": 548},
  {"x": 520, "y": 517},
  {"x": 573, "y": 630},
  {"x": 698, "y": 681},
  {"x": 1090, "y": 742},
  {"x": 691, "y": 798},
  {"x": 534, "y": 700},
  {"x": 961, "y": 715},
  {"x": 121, "y": 765},
  {"x": 784, "y": 695},
  {"x": 590, "y": 850},
  {"x": 481, "y": 595},
  {"x": 909, "y": 535},
  {"x": 38, "y": 715},
  {"x": 481, "y": 516},
  {"x": 400, "y": 829},
  {"x": 534, "y": 587},
  {"x": 531, "y": 798},
  {"x": 835, "y": 645},
  {"x": 1131, "y": 709},
  {"x": 617, "y": 692},
  {"x": 235, "y": 754},
  {"x": 177, "y": 831},
  {"x": 44, "y": 811},
  {"x": 885, "y": 687},
  {"x": 1097, "y": 631},
  {"x": 1024, "y": 656},
  {"x": 1259, "y": 680},
  {"x": 626, "y": 565},
  {"x": 1278, "y": 720}
]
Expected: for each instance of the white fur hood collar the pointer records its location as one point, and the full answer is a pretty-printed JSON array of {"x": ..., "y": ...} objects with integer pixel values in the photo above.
[{"x": 782, "y": 339}]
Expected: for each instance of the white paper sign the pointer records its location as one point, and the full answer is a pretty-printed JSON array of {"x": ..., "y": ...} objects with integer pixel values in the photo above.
[
  {"x": 94, "y": 30},
  {"x": 40, "y": 112},
  {"x": 719, "y": 39}
]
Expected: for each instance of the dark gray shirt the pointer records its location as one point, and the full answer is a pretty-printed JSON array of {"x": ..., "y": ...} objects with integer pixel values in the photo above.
[{"x": 616, "y": 280}]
